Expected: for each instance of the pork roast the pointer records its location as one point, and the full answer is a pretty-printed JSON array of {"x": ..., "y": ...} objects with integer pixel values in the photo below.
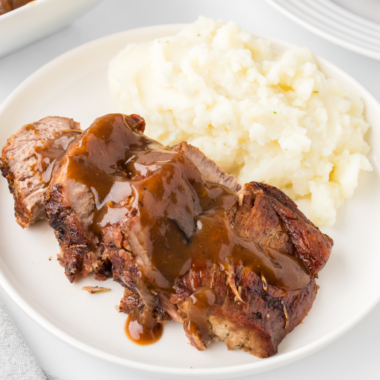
[
  {"x": 180, "y": 235},
  {"x": 171, "y": 229}
]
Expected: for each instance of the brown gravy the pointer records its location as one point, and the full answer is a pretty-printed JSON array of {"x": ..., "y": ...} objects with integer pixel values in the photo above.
[
  {"x": 196, "y": 323},
  {"x": 142, "y": 329},
  {"x": 51, "y": 152},
  {"x": 181, "y": 219}
]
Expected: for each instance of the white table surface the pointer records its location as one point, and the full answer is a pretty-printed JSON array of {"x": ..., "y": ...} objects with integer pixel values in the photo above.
[{"x": 353, "y": 356}]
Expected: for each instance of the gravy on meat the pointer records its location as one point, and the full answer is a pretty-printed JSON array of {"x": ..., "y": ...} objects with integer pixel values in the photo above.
[
  {"x": 183, "y": 219},
  {"x": 51, "y": 152}
]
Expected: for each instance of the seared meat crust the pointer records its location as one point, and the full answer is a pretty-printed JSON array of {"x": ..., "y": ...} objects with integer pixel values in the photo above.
[
  {"x": 258, "y": 322},
  {"x": 77, "y": 254},
  {"x": 127, "y": 273},
  {"x": 269, "y": 217}
]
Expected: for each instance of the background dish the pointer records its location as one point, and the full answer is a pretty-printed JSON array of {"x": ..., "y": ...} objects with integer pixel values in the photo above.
[
  {"x": 37, "y": 20},
  {"x": 350, "y": 286},
  {"x": 340, "y": 22}
]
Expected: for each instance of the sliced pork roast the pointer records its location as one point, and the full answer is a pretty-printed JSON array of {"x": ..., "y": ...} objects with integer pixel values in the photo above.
[
  {"x": 71, "y": 204},
  {"x": 269, "y": 218},
  {"x": 208, "y": 168},
  {"x": 28, "y": 161},
  {"x": 235, "y": 267},
  {"x": 261, "y": 314}
]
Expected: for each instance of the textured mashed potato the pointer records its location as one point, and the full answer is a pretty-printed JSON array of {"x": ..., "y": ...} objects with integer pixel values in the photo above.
[{"x": 261, "y": 114}]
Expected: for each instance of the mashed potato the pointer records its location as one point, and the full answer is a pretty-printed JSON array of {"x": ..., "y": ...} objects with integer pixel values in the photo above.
[{"x": 262, "y": 115}]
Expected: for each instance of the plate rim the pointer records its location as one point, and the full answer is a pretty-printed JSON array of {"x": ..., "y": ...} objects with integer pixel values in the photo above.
[
  {"x": 217, "y": 372},
  {"x": 321, "y": 33}
]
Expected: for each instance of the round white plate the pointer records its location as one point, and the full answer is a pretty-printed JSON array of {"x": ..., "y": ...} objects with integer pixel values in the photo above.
[
  {"x": 353, "y": 24},
  {"x": 38, "y": 19},
  {"x": 75, "y": 85}
]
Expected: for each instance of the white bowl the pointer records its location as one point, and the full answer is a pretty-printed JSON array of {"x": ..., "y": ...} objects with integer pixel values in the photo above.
[
  {"x": 76, "y": 85},
  {"x": 37, "y": 20}
]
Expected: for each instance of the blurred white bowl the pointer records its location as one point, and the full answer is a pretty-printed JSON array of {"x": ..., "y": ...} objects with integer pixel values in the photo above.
[{"x": 37, "y": 20}]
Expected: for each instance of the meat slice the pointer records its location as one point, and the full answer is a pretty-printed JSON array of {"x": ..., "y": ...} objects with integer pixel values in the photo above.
[
  {"x": 255, "y": 322},
  {"x": 28, "y": 161},
  {"x": 241, "y": 307},
  {"x": 208, "y": 168},
  {"x": 68, "y": 208},
  {"x": 263, "y": 315},
  {"x": 71, "y": 207},
  {"x": 268, "y": 217},
  {"x": 72, "y": 199},
  {"x": 234, "y": 267}
]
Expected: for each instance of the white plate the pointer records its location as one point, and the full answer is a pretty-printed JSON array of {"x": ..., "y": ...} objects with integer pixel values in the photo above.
[
  {"x": 37, "y": 20},
  {"x": 353, "y": 24},
  {"x": 75, "y": 85}
]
